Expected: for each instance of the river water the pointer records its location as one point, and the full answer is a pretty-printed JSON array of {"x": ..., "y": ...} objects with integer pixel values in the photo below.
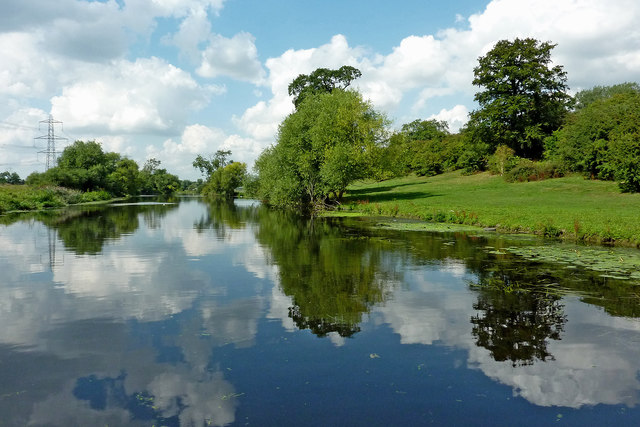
[{"x": 193, "y": 313}]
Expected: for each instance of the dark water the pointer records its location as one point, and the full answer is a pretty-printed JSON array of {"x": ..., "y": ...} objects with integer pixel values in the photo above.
[{"x": 206, "y": 314}]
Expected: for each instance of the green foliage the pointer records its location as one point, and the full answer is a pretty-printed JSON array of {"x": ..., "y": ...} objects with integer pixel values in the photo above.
[
  {"x": 330, "y": 141},
  {"x": 586, "y": 97},
  {"x": 522, "y": 170},
  {"x": 94, "y": 196},
  {"x": 125, "y": 179},
  {"x": 7, "y": 177},
  {"x": 156, "y": 180},
  {"x": 503, "y": 160},
  {"x": 322, "y": 80},
  {"x": 224, "y": 181},
  {"x": 475, "y": 155},
  {"x": 424, "y": 147},
  {"x": 208, "y": 166},
  {"x": 86, "y": 167},
  {"x": 24, "y": 197},
  {"x": 524, "y": 97},
  {"x": 250, "y": 186},
  {"x": 602, "y": 140}
]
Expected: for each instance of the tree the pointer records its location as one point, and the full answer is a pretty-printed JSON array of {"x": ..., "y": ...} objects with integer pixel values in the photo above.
[
  {"x": 225, "y": 180},
  {"x": 156, "y": 180},
  {"x": 208, "y": 166},
  {"x": 82, "y": 166},
  {"x": 125, "y": 180},
  {"x": 321, "y": 148},
  {"x": 586, "y": 97},
  {"x": 524, "y": 98},
  {"x": 322, "y": 80},
  {"x": 7, "y": 177},
  {"x": 602, "y": 140}
]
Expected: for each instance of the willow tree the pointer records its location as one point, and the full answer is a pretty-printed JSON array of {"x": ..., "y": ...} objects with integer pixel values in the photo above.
[{"x": 325, "y": 145}]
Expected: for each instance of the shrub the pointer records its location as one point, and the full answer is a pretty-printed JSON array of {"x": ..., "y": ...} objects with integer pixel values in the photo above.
[
  {"x": 94, "y": 196},
  {"x": 502, "y": 161},
  {"x": 527, "y": 170}
]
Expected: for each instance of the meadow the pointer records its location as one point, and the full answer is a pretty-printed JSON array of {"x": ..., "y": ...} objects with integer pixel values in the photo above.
[{"x": 570, "y": 207}]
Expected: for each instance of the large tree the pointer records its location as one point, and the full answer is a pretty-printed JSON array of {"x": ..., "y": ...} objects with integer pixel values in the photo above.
[
  {"x": 325, "y": 145},
  {"x": 322, "y": 80},
  {"x": 523, "y": 99}
]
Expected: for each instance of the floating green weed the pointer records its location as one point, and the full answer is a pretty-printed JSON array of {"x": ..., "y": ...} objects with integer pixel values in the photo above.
[{"x": 618, "y": 263}]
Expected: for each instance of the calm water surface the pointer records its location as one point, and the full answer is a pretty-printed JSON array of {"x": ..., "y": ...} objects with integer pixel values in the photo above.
[{"x": 206, "y": 314}]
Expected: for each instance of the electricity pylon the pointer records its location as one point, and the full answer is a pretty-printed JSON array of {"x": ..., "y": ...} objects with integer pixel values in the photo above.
[{"x": 51, "y": 142}]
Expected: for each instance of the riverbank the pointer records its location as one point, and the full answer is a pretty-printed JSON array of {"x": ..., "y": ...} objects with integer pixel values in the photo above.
[
  {"x": 19, "y": 198},
  {"x": 570, "y": 208}
]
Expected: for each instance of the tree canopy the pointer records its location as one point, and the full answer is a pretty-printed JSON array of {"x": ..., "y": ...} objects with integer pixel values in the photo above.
[
  {"x": 326, "y": 144},
  {"x": 208, "y": 166},
  {"x": 322, "y": 80},
  {"x": 523, "y": 99},
  {"x": 602, "y": 140},
  {"x": 586, "y": 97},
  {"x": 85, "y": 166},
  {"x": 7, "y": 177},
  {"x": 222, "y": 177}
]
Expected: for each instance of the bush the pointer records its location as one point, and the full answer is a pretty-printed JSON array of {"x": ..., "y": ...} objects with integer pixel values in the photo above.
[
  {"x": 527, "y": 170},
  {"x": 474, "y": 158},
  {"x": 94, "y": 196},
  {"x": 502, "y": 161}
]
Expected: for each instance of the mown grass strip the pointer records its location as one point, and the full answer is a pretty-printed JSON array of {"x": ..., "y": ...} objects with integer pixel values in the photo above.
[{"x": 571, "y": 207}]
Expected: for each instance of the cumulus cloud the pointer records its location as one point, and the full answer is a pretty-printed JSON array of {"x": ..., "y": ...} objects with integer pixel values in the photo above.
[
  {"x": 455, "y": 117},
  {"x": 194, "y": 29},
  {"x": 148, "y": 95},
  {"x": 442, "y": 64},
  {"x": 196, "y": 139},
  {"x": 81, "y": 57},
  {"x": 236, "y": 57}
]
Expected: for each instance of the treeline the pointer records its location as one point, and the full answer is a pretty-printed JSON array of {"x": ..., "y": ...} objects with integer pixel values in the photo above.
[
  {"x": 527, "y": 127},
  {"x": 84, "y": 166},
  {"x": 7, "y": 177}
]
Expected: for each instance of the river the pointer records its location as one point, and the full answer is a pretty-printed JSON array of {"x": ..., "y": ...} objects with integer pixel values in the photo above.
[{"x": 191, "y": 313}]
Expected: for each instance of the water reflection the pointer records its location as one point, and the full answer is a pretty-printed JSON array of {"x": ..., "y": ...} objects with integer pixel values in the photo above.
[
  {"x": 518, "y": 319},
  {"x": 331, "y": 278},
  {"x": 140, "y": 314}
]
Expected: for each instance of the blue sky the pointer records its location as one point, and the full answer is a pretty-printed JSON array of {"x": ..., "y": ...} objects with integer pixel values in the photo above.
[{"x": 172, "y": 79}]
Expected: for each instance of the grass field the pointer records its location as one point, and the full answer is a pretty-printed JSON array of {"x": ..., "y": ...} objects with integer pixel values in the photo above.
[
  {"x": 28, "y": 198},
  {"x": 570, "y": 207}
]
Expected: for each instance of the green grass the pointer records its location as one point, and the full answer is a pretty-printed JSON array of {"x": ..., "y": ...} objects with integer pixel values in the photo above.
[
  {"x": 569, "y": 207},
  {"x": 27, "y": 198}
]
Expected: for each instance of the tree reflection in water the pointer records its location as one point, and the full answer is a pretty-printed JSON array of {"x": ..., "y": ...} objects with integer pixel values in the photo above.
[
  {"x": 518, "y": 319},
  {"x": 332, "y": 277}
]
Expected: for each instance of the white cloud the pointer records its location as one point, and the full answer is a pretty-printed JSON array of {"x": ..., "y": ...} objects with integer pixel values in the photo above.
[
  {"x": 236, "y": 57},
  {"x": 148, "y": 95},
  {"x": 182, "y": 7},
  {"x": 194, "y": 29},
  {"x": 74, "y": 56},
  {"x": 455, "y": 117}
]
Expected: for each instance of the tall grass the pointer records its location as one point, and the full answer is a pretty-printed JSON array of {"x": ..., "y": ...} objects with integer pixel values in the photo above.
[{"x": 27, "y": 198}]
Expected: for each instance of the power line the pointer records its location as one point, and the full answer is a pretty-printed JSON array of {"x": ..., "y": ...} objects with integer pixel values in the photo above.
[
  {"x": 6, "y": 124},
  {"x": 51, "y": 142}
]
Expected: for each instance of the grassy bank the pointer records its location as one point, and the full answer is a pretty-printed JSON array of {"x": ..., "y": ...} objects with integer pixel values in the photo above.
[
  {"x": 570, "y": 207},
  {"x": 28, "y": 198}
]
